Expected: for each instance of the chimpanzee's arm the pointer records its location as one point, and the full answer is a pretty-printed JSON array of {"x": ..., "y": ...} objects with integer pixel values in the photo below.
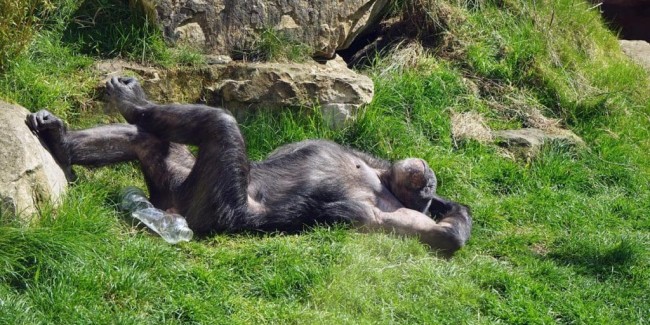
[
  {"x": 445, "y": 237},
  {"x": 456, "y": 215}
]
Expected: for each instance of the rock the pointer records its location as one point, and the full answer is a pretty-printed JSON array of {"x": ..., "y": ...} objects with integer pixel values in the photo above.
[
  {"x": 638, "y": 51},
  {"x": 233, "y": 26},
  {"x": 29, "y": 176},
  {"x": 217, "y": 59},
  {"x": 522, "y": 143},
  {"x": 241, "y": 86},
  {"x": 527, "y": 142},
  {"x": 338, "y": 90},
  {"x": 190, "y": 34}
]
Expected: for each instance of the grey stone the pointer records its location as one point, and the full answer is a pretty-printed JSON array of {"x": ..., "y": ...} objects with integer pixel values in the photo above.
[
  {"x": 217, "y": 59},
  {"x": 638, "y": 51},
  {"x": 242, "y": 86},
  {"x": 29, "y": 175},
  {"x": 190, "y": 34},
  {"x": 527, "y": 142},
  {"x": 229, "y": 26}
]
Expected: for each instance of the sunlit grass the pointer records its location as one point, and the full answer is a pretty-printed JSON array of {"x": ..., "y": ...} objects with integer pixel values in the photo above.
[{"x": 562, "y": 238}]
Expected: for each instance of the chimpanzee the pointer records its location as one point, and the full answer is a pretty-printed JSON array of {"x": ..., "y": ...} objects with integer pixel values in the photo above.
[{"x": 299, "y": 185}]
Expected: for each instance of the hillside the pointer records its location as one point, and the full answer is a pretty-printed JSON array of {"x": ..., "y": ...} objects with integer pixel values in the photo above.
[{"x": 561, "y": 235}]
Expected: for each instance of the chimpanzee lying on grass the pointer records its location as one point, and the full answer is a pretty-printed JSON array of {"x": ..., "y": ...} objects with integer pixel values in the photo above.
[{"x": 300, "y": 184}]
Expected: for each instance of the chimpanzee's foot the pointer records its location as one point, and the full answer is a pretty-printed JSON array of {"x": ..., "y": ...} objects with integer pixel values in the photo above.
[
  {"x": 45, "y": 124},
  {"x": 51, "y": 130},
  {"x": 127, "y": 96}
]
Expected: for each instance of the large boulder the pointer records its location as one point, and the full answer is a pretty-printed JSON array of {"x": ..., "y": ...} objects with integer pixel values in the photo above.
[
  {"x": 29, "y": 175},
  {"x": 332, "y": 86},
  {"x": 228, "y": 27},
  {"x": 240, "y": 86}
]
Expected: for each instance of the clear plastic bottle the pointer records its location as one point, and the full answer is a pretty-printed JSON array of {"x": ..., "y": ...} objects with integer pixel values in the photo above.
[{"x": 171, "y": 227}]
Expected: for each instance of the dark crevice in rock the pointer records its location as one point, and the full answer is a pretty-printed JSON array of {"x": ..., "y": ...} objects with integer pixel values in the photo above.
[
  {"x": 362, "y": 47},
  {"x": 631, "y": 19},
  {"x": 392, "y": 31},
  {"x": 379, "y": 39}
]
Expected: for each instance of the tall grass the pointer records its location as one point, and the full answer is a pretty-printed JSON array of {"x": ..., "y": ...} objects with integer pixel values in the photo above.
[
  {"x": 18, "y": 22},
  {"x": 275, "y": 46}
]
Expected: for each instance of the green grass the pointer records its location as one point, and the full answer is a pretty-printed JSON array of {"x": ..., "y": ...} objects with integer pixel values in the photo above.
[
  {"x": 275, "y": 46},
  {"x": 563, "y": 238},
  {"x": 17, "y": 25},
  {"x": 110, "y": 28}
]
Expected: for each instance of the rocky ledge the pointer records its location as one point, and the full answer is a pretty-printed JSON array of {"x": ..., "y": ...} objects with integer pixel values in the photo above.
[{"x": 244, "y": 86}]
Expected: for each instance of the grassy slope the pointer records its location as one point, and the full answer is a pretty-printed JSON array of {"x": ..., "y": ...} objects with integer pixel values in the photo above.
[{"x": 563, "y": 238}]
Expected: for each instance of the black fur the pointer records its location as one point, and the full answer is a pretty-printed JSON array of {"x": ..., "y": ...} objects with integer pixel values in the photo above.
[{"x": 299, "y": 185}]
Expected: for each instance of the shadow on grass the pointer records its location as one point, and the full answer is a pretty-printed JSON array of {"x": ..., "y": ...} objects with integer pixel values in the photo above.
[
  {"x": 601, "y": 261},
  {"x": 111, "y": 28}
]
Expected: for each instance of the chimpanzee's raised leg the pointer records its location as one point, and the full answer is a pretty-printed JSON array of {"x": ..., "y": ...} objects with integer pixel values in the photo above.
[
  {"x": 165, "y": 165},
  {"x": 214, "y": 195}
]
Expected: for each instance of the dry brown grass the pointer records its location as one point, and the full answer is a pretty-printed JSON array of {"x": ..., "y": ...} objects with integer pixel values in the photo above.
[
  {"x": 528, "y": 113},
  {"x": 430, "y": 17},
  {"x": 405, "y": 54},
  {"x": 470, "y": 125}
]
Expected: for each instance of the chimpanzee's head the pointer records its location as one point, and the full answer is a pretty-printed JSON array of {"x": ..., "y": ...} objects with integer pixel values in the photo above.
[{"x": 413, "y": 183}]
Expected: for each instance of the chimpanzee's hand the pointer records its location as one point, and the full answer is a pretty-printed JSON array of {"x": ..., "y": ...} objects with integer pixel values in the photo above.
[
  {"x": 127, "y": 96},
  {"x": 43, "y": 122}
]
